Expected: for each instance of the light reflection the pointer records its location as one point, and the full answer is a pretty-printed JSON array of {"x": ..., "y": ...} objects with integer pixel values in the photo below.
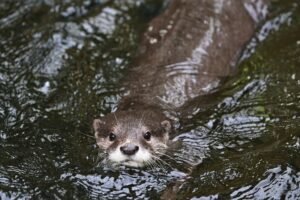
[
  {"x": 132, "y": 183},
  {"x": 278, "y": 182},
  {"x": 30, "y": 62},
  {"x": 105, "y": 22},
  {"x": 267, "y": 28}
]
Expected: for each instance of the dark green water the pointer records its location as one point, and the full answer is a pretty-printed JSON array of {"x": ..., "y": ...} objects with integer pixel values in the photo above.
[{"x": 60, "y": 66}]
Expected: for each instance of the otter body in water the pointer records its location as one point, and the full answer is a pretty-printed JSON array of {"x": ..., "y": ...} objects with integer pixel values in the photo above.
[{"x": 184, "y": 54}]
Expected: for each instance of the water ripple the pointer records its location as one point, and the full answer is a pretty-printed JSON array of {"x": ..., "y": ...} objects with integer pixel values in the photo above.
[{"x": 279, "y": 183}]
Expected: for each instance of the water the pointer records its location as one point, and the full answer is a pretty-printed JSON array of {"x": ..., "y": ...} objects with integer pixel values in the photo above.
[{"x": 60, "y": 66}]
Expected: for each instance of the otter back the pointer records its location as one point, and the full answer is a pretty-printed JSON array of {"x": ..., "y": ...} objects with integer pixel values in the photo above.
[
  {"x": 186, "y": 51},
  {"x": 184, "y": 54}
]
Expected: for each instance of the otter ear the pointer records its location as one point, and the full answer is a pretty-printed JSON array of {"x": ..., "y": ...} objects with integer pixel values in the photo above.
[
  {"x": 97, "y": 124},
  {"x": 166, "y": 125}
]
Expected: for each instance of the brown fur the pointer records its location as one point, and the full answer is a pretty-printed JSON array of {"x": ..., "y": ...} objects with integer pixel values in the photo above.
[
  {"x": 131, "y": 125},
  {"x": 185, "y": 53}
]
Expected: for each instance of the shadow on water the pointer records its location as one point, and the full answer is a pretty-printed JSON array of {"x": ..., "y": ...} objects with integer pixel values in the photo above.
[{"x": 60, "y": 66}]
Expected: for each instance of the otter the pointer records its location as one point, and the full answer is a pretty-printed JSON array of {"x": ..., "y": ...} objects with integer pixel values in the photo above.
[
  {"x": 133, "y": 138},
  {"x": 185, "y": 53}
]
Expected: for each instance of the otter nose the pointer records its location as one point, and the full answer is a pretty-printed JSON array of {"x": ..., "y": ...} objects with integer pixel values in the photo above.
[{"x": 129, "y": 149}]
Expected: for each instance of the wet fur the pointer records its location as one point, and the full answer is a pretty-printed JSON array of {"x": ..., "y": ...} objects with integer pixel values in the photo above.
[
  {"x": 186, "y": 53},
  {"x": 129, "y": 127}
]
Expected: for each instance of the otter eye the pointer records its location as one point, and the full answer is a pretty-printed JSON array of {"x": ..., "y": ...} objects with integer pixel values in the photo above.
[
  {"x": 147, "y": 135},
  {"x": 112, "y": 137}
]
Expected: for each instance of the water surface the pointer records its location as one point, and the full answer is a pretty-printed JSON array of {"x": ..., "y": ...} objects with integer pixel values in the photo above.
[{"x": 61, "y": 63}]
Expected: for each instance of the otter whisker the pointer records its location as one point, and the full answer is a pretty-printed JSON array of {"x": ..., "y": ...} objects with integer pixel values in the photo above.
[
  {"x": 175, "y": 160},
  {"x": 87, "y": 135},
  {"x": 154, "y": 164},
  {"x": 161, "y": 162},
  {"x": 150, "y": 163},
  {"x": 116, "y": 118},
  {"x": 101, "y": 159},
  {"x": 161, "y": 146},
  {"x": 100, "y": 162},
  {"x": 146, "y": 163},
  {"x": 161, "y": 166},
  {"x": 141, "y": 118},
  {"x": 158, "y": 163},
  {"x": 168, "y": 156}
]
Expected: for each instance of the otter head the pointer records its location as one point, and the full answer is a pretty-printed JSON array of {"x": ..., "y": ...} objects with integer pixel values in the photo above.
[{"x": 132, "y": 138}]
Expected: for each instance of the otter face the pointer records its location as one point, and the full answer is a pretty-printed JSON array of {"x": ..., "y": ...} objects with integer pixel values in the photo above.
[{"x": 131, "y": 138}]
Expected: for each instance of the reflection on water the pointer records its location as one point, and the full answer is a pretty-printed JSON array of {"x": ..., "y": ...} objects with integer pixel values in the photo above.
[
  {"x": 133, "y": 182},
  {"x": 60, "y": 66},
  {"x": 278, "y": 183}
]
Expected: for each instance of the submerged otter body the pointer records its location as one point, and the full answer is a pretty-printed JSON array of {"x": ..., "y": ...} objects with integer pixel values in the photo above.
[{"x": 185, "y": 53}]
